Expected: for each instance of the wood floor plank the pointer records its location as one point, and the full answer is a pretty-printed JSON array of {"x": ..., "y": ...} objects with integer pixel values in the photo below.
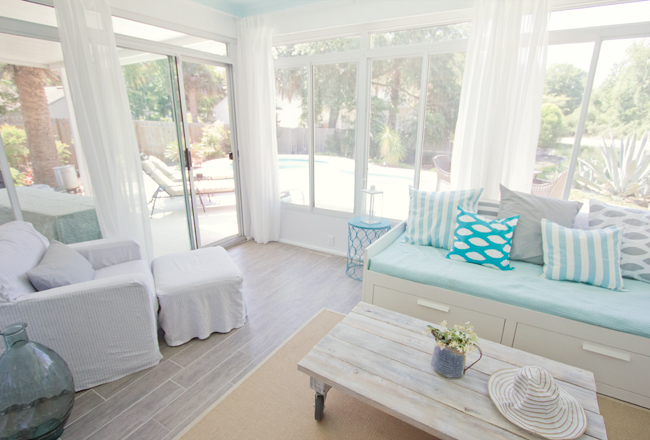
[
  {"x": 140, "y": 413},
  {"x": 110, "y": 389},
  {"x": 85, "y": 403},
  {"x": 151, "y": 430},
  {"x": 212, "y": 359},
  {"x": 201, "y": 347},
  {"x": 120, "y": 402},
  {"x": 172, "y": 415}
]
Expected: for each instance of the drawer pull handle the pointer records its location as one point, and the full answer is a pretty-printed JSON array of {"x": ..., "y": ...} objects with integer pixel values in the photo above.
[
  {"x": 433, "y": 305},
  {"x": 605, "y": 351}
]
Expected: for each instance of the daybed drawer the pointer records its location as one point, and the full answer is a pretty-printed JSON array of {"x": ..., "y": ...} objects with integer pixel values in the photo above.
[
  {"x": 610, "y": 365},
  {"x": 486, "y": 326}
]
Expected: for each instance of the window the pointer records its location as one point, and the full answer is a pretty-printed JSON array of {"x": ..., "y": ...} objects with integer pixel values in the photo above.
[
  {"x": 611, "y": 164},
  {"x": 317, "y": 47},
  {"x": 335, "y": 97},
  {"x": 422, "y": 35},
  {"x": 443, "y": 99},
  {"x": 37, "y": 133},
  {"x": 394, "y": 102},
  {"x": 131, "y": 28},
  {"x": 623, "y": 13},
  {"x": 402, "y": 135},
  {"x": 566, "y": 77},
  {"x": 293, "y": 134}
]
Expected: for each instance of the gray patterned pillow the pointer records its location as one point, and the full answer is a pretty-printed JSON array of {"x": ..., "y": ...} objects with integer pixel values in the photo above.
[{"x": 635, "y": 249}]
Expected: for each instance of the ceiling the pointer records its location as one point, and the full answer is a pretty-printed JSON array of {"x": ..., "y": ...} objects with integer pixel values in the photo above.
[{"x": 245, "y": 8}]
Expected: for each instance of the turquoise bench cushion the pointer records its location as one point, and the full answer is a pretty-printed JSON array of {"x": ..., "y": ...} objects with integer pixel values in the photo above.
[{"x": 628, "y": 312}]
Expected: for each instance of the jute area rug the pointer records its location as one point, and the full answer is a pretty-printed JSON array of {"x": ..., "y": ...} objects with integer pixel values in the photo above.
[{"x": 275, "y": 402}]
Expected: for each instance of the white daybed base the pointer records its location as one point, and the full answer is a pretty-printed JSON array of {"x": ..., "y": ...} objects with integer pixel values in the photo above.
[{"x": 620, "y": 361}]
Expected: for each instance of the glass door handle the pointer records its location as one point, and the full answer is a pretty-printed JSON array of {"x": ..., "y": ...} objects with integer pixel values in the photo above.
[
  {"x": 188, "y": 158},
  {"x": 230, "y": 156}
]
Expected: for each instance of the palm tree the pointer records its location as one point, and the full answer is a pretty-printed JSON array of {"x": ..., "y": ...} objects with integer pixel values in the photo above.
[
  {"x": 36, "y": 118},
  {"x": 201, "y": 82}
]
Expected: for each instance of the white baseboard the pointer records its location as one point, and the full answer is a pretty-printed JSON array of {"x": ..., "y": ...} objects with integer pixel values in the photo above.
[{"x": 314, "y": 248}]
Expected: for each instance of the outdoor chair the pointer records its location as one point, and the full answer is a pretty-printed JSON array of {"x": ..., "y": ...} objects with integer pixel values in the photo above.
[
  {"x": 443, "y": 170},
  {"x": 552, "y": 189},
  {"x": 169, "y": 188},
  {"x": 171, "y": 173}
]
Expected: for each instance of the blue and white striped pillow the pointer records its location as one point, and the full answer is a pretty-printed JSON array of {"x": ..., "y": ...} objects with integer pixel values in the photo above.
[
  {"x": 587, "y": 256},
  {"x": 432, "y": 215}
]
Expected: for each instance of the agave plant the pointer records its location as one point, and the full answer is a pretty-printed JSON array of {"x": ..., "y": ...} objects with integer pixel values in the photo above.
[{"x": 626, "y": 171}]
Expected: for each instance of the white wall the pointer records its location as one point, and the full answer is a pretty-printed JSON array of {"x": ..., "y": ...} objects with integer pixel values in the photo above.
[{"x": 303, "y": 228}]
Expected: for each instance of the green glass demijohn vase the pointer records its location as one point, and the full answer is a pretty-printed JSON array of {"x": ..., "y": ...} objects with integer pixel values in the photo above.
[{"x": 36, "y": 388}]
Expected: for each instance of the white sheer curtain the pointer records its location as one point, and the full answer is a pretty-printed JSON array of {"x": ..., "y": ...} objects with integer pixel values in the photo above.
[
  {"x": 258, "y": 153},
  {"x": 104, "y": 119},
  {"x": 501, "y": 99}
]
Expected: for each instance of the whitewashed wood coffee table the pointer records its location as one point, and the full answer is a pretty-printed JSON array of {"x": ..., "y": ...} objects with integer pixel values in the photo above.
[{"x": 383, "y": 358}]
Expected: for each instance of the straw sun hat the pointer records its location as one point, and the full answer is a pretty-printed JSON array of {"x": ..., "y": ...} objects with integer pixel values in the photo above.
[{"x": 530, "y": 398}]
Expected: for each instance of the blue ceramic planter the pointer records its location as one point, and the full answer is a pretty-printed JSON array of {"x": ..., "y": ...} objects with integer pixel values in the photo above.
[{"x": 450, "y": 363}]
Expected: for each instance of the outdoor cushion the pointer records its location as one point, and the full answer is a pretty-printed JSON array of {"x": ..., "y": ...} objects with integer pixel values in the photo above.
[
  {"x": 432, "y": 215},
  {"x": 527, "y": 243},
  {"x": 21, "y": 249},
  {"x": 60, "y": 266},
  {"x": 592, "y": 257},
  {"x": 635, "y": 248},
  {"x": 523, "y": 287}
]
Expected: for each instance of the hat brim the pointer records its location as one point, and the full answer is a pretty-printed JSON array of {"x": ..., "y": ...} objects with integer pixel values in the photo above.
[{"x": 567, "y": 422}]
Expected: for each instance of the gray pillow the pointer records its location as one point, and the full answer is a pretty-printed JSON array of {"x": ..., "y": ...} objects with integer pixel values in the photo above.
[
  {"x": 60, "y": 266},
  {"x": 527, "y": 242},
  {"x": 635, "y": 247}
]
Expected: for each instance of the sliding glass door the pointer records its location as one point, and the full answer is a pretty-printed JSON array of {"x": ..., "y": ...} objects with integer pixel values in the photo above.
[
  {"x": 182, "y": 120},
  {"x": 211, "y": 159},
  {"x": 149, "y": 80}
]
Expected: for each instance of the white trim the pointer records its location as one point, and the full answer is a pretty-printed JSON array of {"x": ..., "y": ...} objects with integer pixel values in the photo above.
[
  {"x": 250, "y": 373},
  {"x": 586, "y": 97},
  {"x": 313, "y": 248}
]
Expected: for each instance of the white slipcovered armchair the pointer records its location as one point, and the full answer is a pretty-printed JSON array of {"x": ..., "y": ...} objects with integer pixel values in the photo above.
[{"x": 104, "y": 328}]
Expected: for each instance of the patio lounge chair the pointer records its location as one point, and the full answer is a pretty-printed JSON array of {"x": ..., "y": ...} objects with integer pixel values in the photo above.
[
  {"x": 169, "y": 188},
  {"x": 171, "y": 173}
]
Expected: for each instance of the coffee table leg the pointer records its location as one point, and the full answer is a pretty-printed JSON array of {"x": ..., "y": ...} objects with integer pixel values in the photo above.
[{"x": 321, "y": 389}]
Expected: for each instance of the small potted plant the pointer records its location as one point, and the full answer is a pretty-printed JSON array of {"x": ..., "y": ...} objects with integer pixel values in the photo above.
[{"x": 452, "y": 344}]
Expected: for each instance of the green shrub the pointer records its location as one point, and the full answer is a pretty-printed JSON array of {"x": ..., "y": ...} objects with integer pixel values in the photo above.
[{"x": 552, "y": 127}]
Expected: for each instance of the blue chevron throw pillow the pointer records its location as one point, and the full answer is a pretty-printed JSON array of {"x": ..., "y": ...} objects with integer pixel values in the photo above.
[{"x": 481, "y": 241}]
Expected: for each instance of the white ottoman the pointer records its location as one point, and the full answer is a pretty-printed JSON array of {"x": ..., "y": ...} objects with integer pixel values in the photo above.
[{"x": 200, "y": 292}]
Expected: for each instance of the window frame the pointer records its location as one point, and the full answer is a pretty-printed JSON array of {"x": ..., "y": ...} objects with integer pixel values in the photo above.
[{"x": 366, "y": 55}]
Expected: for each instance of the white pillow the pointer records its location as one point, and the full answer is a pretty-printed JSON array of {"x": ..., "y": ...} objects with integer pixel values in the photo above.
[
  {"x": 432, "y": 215},
  {"x": 60, "y": 266},
  {"x": 21, "y": 248}
]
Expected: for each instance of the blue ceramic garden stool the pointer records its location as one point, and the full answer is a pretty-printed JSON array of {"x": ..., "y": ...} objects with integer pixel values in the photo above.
[{"x": 360, "y": 236}]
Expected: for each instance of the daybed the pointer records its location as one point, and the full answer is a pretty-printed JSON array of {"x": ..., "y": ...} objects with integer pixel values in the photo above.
[{"x": 600, "y": 330}]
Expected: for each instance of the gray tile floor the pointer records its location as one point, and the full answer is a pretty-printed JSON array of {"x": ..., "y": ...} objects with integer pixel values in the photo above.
[{"x": 284, "y": 287}]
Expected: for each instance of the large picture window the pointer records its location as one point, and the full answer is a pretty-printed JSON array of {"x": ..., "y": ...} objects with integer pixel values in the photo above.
[
  {"x": 394, "y": 103},
  {"x": 407, "y": 137},
  {"x": 335, "y": 97}
]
